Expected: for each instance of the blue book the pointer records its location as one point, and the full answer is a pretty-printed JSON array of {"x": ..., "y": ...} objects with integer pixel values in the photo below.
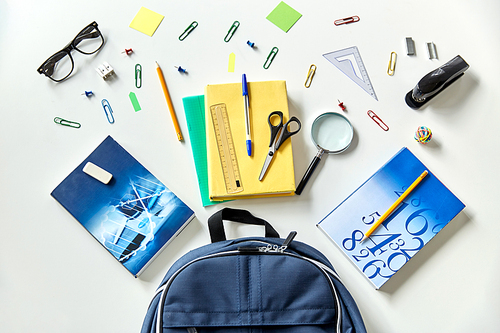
[
  {"x": 428, "y": 208},
  {"x": 134, "y": 216}
]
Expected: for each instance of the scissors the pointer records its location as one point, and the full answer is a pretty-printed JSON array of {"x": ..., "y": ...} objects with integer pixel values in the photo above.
[{"x": 277, "y": 140}]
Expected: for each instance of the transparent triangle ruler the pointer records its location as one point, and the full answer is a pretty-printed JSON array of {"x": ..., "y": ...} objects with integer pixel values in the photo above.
[
  {"x": 350, "y": 63},
  {"x": 225, "y": 146}
]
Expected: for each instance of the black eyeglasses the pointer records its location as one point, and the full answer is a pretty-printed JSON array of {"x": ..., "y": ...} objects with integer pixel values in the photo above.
[{"x": 59, "y": 66}]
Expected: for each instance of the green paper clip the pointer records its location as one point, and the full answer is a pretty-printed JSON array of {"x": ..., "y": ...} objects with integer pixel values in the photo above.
[
  {"x": 65, "y": 122},
  {"x": 188, "y": 31},
  {"x": 138, "y": 76},
  {"x": 270, "y": 57},
  {"x": 231, "y": 31}
]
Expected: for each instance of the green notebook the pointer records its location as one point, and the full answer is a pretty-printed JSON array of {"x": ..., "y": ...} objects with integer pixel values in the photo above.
[{"x": 194, "y": 108}]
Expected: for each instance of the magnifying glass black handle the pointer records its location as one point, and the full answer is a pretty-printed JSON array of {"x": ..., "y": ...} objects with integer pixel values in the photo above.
[{"x": 308, "y": 173}]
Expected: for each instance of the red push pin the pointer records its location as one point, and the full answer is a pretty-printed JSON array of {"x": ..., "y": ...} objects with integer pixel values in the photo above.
[
  {"x": 128, "y": 51},
  {"x": 341, "y": 105}
]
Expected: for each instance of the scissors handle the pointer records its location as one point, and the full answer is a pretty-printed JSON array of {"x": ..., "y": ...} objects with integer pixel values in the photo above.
[
  {"x": 274, "y": 128},
  {"x": 285, "y": 133}
]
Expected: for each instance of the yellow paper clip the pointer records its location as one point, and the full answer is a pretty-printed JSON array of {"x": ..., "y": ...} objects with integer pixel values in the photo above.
[
  {"x": 231, "y": 31},
  {"x": 138, "y": 76},
  {"x": 108, "y": 111},
  {"x": 392, "y": 64},
  {"x": 188, "y": 31},
  {"x": 65, "y": 122},
  {"x": 310, "y": 75},
  {"x": 270, "y": 57}
]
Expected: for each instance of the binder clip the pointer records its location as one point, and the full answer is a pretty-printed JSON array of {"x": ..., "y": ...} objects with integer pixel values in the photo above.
[
  {"x": 128, "y": 51},
  {"x": 180, "y": 69},
  {"x": 88, "y": 93},
  {"x": 105, "y": 70}
]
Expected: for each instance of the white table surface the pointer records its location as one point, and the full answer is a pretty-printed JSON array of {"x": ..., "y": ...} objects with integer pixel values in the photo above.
[{"x": 54, "y": 277}]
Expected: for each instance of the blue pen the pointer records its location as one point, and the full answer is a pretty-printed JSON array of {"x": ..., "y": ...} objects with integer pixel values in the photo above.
[{"x": 247, "y": 115}]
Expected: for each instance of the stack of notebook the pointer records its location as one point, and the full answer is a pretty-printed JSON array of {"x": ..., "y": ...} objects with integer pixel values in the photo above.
[{"x": 264, "y": 98}]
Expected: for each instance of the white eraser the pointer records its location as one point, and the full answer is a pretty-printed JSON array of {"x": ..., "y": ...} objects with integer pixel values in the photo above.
[{"x": 98, "y": 173}]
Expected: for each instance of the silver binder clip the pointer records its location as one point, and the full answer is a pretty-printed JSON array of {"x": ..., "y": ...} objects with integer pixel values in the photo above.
[{"x": 105, "y": 70}]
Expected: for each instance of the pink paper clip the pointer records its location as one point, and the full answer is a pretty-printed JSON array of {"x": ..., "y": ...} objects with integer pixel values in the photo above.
[
  {"x": 347, "y": 20},
  {"x": 377, "y": 120}
]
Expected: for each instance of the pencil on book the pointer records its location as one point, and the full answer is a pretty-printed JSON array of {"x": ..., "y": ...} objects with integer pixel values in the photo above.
[
  {"x": 394, "y": 205},
  {"x": 169, "y": 102}
]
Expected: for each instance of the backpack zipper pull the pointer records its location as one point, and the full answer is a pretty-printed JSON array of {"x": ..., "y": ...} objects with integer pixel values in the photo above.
[{"x": 288, "y": 240}]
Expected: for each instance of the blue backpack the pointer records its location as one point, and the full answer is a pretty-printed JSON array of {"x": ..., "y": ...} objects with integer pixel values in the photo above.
[{"x": 252, "y": 285}]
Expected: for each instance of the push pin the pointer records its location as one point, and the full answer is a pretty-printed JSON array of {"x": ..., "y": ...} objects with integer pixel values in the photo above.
[
  {"x": 180, "y": 69},
  {"x": 105, "y": 70},
  {"x": 341, "y": 104},
  {"x": 250, "y": 44},
  {"x": 88, "y": 93},
  {"x": 128, "y": 51}
]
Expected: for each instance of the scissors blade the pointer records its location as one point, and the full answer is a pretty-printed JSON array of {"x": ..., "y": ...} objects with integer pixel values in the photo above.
[{"x": 267, "y": 162}]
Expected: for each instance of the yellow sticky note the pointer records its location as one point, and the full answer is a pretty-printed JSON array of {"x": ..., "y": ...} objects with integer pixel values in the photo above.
[
  {"x": 146, "y": 21},
  {"x": 232, "y": 60}
]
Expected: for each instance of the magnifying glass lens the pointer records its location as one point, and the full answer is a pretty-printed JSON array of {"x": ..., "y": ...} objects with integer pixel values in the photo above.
[{"x": 332, "y": 132}]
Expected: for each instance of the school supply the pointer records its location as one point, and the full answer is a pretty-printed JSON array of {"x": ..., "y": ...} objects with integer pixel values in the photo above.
[
  {"x": 61, "y": 64},
  {"x": 169, "y": 102},
  {"x": 431, "y": 49},
  {"x": 108, "y": 111},
  {"x": 310, "y": 75},
  {"x": 377, "y": 120},
  {"x": 423, "y": 134},
  {"x": 194, "y": 108},
  {"x": 138, "y": 76},
  {"x": 105, "y": 70},
  {"x": 410, "y": 46},
  {"x": 188, "y": 30},
  {"x": 231, "y": 31},
  {"x": 134, "y": 216},
  {"x": 253, "y": 284},
  {"x": 394, "y": 206},
  {"x": 134, "y": 101},
  {"x": 264, "y": 97},
  {"x": 347, "y": 20},
  {"x": 146, "y": 21},
  {"x": 248, "y": 140},
  {"x": 270, "y": 57},
  {"x": 231, "y": 62},
  {"x": 435, "y": 82},
  {"x": 349, "y": 62},
  {"x": 428, "y": 209},
  {"x": 392, "y": 64},
  {"x": 331, "y": 133},
  {"x": 69, "y": 123},
  {"x": 284, "y": 16},
  {"x": 279, "y": 134}
]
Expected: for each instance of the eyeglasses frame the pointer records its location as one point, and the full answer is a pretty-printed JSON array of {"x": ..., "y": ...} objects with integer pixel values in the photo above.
[{"x": 68, "y": 48}]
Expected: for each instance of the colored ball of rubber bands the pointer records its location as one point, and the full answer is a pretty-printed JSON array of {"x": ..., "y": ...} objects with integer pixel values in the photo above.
[{"x": 423, "y": 135}]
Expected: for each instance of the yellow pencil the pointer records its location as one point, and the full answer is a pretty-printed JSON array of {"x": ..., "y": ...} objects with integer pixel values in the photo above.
[
  {"x": 169, "y": 102},
  {"x": 394, "y": 205}
]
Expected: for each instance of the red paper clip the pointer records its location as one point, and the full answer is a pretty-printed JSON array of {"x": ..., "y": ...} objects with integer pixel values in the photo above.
[
  {"x": 377, "y": 120},
  {"x": 347, "y": 20}
]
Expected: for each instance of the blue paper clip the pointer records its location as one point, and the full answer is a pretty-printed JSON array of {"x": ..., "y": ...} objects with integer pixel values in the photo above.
[
  {"x": 108, "y": 111},
  {"x": 231, "y": 31},
  {"x": 138, "y": 76},
  {"x": 270, "y": 57},
  {"x": 188, "y": 31}
]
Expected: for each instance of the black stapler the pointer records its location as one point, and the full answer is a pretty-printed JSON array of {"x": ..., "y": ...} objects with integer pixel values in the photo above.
[{"x": 435, "y": 82}]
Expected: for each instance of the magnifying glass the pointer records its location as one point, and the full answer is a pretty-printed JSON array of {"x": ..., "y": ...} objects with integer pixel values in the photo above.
[{"x": 332, "y": 134}]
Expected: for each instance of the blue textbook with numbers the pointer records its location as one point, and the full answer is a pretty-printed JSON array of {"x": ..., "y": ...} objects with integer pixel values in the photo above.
[{"x": 428, "y": 208}]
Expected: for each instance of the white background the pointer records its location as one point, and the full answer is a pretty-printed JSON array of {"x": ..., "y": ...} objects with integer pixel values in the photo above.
[{"x": 54, "y": 277}]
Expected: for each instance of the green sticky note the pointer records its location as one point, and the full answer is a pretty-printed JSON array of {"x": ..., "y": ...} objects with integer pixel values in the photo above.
[
  {"x": 134, "y": 101},
  {"x": 284, "y": 16}
]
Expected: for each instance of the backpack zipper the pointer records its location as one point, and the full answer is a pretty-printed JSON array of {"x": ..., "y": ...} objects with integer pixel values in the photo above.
[{"x": 270, "y": 249}]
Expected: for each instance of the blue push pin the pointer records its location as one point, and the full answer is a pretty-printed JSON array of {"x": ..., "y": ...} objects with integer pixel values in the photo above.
[
  {"x": 251, "y": 44},
  {"x": 88, "y": 93},
  {"x": 180, "y": 69}
]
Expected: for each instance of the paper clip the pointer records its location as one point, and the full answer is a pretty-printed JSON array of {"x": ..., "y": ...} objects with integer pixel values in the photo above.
[
  {"x": 270, "y": 57},
  {"x": 65, "y": 122},
  {"x": 377, "y": 120},
  {"x": 138, "y": 75},
  {"x": 310, "y": 75},
  {"x": 392, "y": 64},
  {"x": 108, "y": 111},
  {"x": 188, "y": 30},
  {"x": 346, "y": 20},
  {"x": 231, "y": 31}
]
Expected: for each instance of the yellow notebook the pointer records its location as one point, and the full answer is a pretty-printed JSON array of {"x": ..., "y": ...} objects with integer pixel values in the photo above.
[{"x": 264, "y": 98}]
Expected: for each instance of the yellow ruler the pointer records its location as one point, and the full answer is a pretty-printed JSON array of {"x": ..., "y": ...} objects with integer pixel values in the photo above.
[{"x": 225, "y": 145}]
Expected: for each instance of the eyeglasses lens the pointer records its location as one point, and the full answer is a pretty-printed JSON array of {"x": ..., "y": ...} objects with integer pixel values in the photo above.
[
  {"x": 59, "y": 66},
  {"x": 89, "y": 40}
]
